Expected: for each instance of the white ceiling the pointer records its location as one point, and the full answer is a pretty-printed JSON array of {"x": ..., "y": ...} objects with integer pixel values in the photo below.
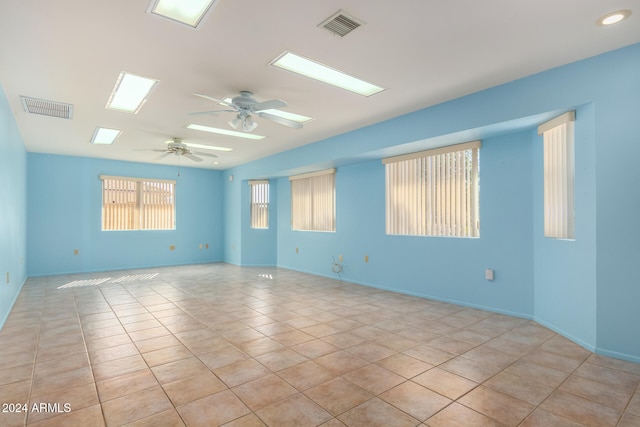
[{"x": 423, "y": 51}]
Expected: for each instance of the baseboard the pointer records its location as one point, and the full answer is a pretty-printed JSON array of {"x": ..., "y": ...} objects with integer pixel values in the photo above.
[
  {"x": 579, "y": 341},
  {"x": 617, "y": 355},
  {"x": 15, "y": 298}
]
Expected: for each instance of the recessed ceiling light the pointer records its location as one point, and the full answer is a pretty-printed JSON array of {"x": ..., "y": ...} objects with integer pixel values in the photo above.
[
  {"x": 130, "y": 92},
  {"x": 315, "y": 70},
  {"x": 188, "y": 12},
  {"x": 225, "y": 132},
  {"x": 105, "y": 136},
  {"x": 206, "y": 147},
  {"x": 613, "y": 17}
]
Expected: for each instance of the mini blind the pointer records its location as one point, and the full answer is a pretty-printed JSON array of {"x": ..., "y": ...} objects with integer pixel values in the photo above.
[
  {"x": 137, "y": 203},
  {"x": 313, "y": 201},
  {"x": 259, "y": 203},
  {"x": 559, "y": 172},
  {"x": 434, "y": 192}
]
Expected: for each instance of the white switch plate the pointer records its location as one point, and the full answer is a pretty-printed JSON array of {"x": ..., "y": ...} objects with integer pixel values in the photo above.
[{"x": 488, "y": 274}]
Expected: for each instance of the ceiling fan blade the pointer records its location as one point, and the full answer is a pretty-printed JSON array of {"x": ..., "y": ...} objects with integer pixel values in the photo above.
[
  {"x": 167, "y": 153},
  {"x": 281, "y": 120},
  {"x": 268, "y": 105},
  {"x": 197, "y": 113},
  {"x": 216, "y": 100},
  {"x": 200, "y": 153},
  {"x": 192, "y": 157}
]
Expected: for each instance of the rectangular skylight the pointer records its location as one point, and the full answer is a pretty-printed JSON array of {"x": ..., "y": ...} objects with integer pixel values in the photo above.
[
  {"x": 225, "y": 132},
  {"x": 315, "y": 70},
  {"x": 130, "y": 92},
  {"x": 208, "y": 147},
  {"x": 105, "y": 136},
  {"x": 188, "y": 12}
]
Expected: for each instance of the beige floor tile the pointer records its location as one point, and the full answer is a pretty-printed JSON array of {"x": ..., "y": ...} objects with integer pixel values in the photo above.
[
  {"x": 166, "y": 355},
  {"x": 496, "y": 405},
  {"x": 370, "y": 351},
  {"x": 542, "y": 418},
  {"x": 214, "y": 410},
  {"x": 340, "y": 362},
  {"x": 260, "y": 346},
  {"x": 542, "y": 374},
  {"x": 314, "y": 348},
  {"x": 428, "y": 354},
  {"x": 117, "y": 367},
  {"x": 241, "y": 372},
  {"x": 188, "y": 389},
  {"x": 264, "y": 391},
  {"x": 306, "y": 375},
  {"x": 446, "y": 383},
  {"x": 611, "y": 395},
  {"x": 133, "y": 407},
  {"x": 158, "y": 343},
  {"x": 629, "y": 420},
  {"x": 613, "y": 377},
  {"x": 338, "y": 395},
  {"x": 404, "y": 365},
  {"x": 473, "y": 370},
  {"x": 520, "y": 388},
  {"x": 634, "y": 405},
  {"x": 281, "y": 359},
  {"x": 72, "y": 399},
  {"x": 62, "y": 381},
  {"x": 377, "y": 413},
  {"x": 222, "y": 357},
  {"x": 581, "y": 410},
  {"x": 456, "y": 415},
  {"x": 111, "y": 353},
  {"x": 417, "y": 401},
  {"x": 250, "y": 420},
  {"x": 168, "y": 418},
  {"x": 126, "y": 384},
  {"x": 374, "y": 378},
  {"x": 296, "y": 411}
]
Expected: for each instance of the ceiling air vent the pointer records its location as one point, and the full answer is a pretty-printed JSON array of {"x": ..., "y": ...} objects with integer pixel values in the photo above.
[
  {"x": 341, "y": 24},
  {"x": 47, "y": 108}
]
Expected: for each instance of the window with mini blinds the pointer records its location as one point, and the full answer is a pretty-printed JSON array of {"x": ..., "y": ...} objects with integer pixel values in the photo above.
[
  {"x": 313, "y": 201},
  {"x": 138, "y": 203},
  {"x": 434, "y": 192},
  {"x": 559, "y": 172},
  {"x": 259, "y": 203}
]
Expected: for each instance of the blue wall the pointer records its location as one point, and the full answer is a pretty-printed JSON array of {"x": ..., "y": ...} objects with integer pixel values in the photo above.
[
  {"x": 585, "y": 289},
  {"x": 65, "y": 197},
  {"x": 13, "y": 210}
]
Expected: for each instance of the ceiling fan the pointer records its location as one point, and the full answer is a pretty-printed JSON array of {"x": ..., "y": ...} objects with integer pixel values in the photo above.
[
  {"x": 245, "y": 106},
  {"x": 179, "y": 148}
]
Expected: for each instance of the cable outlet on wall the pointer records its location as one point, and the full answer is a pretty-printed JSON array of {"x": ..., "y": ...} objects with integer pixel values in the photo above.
[{"x": 206, "y": 245}]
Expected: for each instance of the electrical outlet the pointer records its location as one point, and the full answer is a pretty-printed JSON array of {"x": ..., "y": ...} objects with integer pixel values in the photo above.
[
  {"x": 76, "y": 252},
  {"x": 297, "y": 250},
  {"x": 206, "y": 246},
  {"x": 200, "y": 246},
  {"x": 340, "y": 258},
  {"x": 366, "y": 258},
  {"x": 7, "y": 277},
  {"x": 172, "y": 248}
]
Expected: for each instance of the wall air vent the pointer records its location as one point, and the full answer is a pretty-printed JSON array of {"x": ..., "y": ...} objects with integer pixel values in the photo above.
[
  {"x": 341, "y": 24},
  {"x": 47, "y": 108}
]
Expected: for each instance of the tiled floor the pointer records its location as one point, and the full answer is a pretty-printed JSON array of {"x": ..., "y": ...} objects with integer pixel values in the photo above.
[{"x": 215, "y": 344}]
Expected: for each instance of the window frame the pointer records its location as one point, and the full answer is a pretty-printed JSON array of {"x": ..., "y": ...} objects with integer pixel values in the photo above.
[
  {"x": 259, "y": 210},
  {"x": 313, "y": 201},
  {"x": 427, "y": 195},
  {"x": 139, "y": 216},
  {"x": 558, "y": 138}
]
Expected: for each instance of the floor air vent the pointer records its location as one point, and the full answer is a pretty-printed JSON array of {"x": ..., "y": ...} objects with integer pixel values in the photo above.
[
  {"x": 47, "y": 108},
  {"x": 341, "y": 24}
]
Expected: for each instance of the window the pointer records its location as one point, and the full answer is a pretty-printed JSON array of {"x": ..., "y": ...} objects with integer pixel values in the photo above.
[
  {"x": 259, "y": 204},
  {"x": 434, "y": 192},
  {"x": 559, "y": 215},
  {"x": 138, "y": 204},
  {"x": 313, "y": 198}
]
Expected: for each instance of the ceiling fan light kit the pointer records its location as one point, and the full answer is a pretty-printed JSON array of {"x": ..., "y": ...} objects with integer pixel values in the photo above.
[{"x": 245, "y": 106}]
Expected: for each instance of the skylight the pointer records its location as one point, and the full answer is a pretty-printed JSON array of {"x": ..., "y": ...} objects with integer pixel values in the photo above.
[
  {"x": 225, "y": 132},
  {"x": 315, "y": 70},
  {"x": 189, "y": 12},
  {"x": 130, "y": 92},
  {"x": 105, "y": 136}
]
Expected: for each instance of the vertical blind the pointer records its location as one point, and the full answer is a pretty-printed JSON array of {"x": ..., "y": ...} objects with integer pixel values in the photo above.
[
  {"x": 313, "y": 201},
  {"x": 137, "y": 204},
  {"x": 259, "y": 203},
  {"x": 559, "y": 171},
  {"x": 434, "y": 192}
]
